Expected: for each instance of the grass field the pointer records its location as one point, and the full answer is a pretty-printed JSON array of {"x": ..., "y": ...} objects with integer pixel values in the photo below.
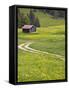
[
  {"x": 40, "y": 66},
  {"x": 49, "y": 38}
]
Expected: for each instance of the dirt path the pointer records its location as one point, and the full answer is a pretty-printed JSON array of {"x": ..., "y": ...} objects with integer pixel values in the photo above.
[{"x": 25, "y": 47}]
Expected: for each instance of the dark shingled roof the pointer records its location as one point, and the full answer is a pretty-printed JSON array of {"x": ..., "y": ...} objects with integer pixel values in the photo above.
[{"x": 27, "y": 26}]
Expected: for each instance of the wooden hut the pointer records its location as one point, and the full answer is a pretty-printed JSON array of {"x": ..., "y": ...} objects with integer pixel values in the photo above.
[{"x": 28, "y": 28}]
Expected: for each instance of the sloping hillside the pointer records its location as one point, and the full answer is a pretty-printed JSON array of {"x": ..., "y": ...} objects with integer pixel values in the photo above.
[{"x": 44, "y": 18}]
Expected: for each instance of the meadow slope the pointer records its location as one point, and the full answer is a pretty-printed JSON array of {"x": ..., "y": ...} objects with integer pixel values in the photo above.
[{"x": 32, "y": 66}]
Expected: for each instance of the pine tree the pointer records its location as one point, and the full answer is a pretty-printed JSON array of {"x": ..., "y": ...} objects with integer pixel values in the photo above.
[
  {"x": 26, "y": 20},
  {"x": 36, "y": 23},
  {"x": 20, "y": 18},
  {"x": 32, "y": 17}
]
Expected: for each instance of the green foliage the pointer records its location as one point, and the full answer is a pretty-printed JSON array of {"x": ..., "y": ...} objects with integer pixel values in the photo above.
[
  {"x": 36, "y": 23},
  {"x": 56, "y": 13},
  {"x": 32, "y": 17},
  {"x": 20, "y": 19},
  {"x": 47, "y": 20},
  {"x": 43, "y": 18},
  {"x": 28, "y": 18}
]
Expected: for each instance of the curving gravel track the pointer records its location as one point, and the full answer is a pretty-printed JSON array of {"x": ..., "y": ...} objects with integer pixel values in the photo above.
[{"x": 25, "y": 47}]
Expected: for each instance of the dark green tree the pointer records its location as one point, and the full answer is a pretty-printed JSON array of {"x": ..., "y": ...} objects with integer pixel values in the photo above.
[
  {"x": 32, "y": 17},
  {"x": 20, "y": 18},
  {"x": 36, "y": 22},
  {"x": 26, "y": 20},
  {"x": 56, "y": 13}
]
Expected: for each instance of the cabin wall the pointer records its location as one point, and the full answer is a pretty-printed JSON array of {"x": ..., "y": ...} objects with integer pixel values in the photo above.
[
  {"x": 26, "y": 30},
  {"x": 33, "y": 29}
]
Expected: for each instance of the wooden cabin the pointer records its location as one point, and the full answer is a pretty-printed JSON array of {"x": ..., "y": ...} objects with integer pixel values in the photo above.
[{"x": 28, "y": 28}]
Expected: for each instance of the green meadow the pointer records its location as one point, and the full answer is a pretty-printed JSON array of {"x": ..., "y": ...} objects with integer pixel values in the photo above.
[{"x": 50, "y": 37}]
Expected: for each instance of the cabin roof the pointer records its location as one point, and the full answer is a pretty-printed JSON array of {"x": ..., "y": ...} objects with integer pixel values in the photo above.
[{"x": 27, "y": 26}]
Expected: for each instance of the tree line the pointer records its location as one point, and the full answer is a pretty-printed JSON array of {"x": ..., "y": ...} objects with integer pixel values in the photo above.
[
  {"x": 55, "y": 13},
  {"x": 29, "y": 18}
]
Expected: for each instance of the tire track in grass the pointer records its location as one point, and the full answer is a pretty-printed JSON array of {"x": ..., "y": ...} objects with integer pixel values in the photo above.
[{"x": 25, "y": 47}]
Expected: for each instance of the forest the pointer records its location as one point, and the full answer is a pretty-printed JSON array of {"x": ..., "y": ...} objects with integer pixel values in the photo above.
[{"x": 31, "y": 18}]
